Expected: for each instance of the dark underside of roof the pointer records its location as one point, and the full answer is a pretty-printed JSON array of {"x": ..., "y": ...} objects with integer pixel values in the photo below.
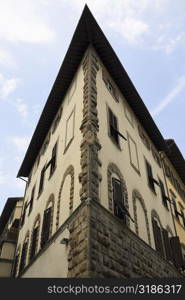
[
  {"x": 7, "y": 211},
  {"x": 88, "y": 32},
  {"x": 176, "y": 158}
]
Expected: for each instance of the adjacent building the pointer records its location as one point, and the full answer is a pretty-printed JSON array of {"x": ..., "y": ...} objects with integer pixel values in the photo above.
[
  {"x": 9, "y": 224},
  {"x": 97, "y": 199}
]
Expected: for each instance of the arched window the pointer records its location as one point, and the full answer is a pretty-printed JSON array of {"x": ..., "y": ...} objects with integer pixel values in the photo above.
[
  {"x": 23, "y": 259},
  {"x": 47, "y": 221},
  {"x": 141, "y": 217},
  {"x": 35, "y": 237},
  {"x": 68, "y": 205}
]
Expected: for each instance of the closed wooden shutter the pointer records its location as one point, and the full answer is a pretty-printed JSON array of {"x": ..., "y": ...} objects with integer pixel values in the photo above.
[
  {"x": 23, "y": 215},
  {"x": 157, "y": 237},
  {"x": 119, "y": 208},
  {"x": 163, "y": 194},
  {"x": 53, "y": 159},
  {"x": 113, "y": 125},
  {"x": 23, "y": 256},
  {"x": 175, "y": 209},
  {"x": 41, "y": 184},
  {"x": 150, "y": 176},
  {"x": 31, "y": 200},
  {"x": 46, "y": 226},
  {"x": 34, "y": 243},
  {"x": 15, "y": 265},
  {"x": 167, "y": 246},
  {"x": 177, "y": 252}
]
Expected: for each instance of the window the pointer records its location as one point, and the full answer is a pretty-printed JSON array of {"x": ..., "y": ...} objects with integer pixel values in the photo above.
[
  {"x": 15, "y": 265},
  {"x": 110, "y": 86},
  {"x": 41, "y": 184},
  {"x": 34, "y": 242},
  {"x": 69, "y": 130},
  {"x": 31, "y": 200},
  {"x": 162, "y": 241},
  {"x": 23, "y": 256},
  {"x": 113, "y": 128},
  {"x": 118, "y": 200},
  {"x": 53, "y": 159},
  {"x": 133, "y": 154},
  {"x": 182, "y": 216},
  {"x": 46, "y": 226},
  {"x": 163, "y": 194},
  {"x": 23, "y": 214},
  {"x": 175, "y": 209},
  {"x": 177, "y": 253},
  {"x": 143, "y": 137},
  {"x": 151, "y": 180}
]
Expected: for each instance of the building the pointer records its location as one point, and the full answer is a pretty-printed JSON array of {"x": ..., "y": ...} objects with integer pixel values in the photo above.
[
  {"x": 9, "y": 224},
  {"x": 95, "y": 202},
  {"x": 174, "y": 167}
]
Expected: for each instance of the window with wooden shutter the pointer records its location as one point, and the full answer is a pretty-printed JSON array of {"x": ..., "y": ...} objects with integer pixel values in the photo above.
[
  {"x": 163, "y": 194},
  {"x": 110, "y": 86},
  {"x": 150, "y": 176},
  {"x": 15, "y": 265},
  {"x": 177, "y": 252},
  {"x": 23, "y": 256},
  {"x": 175, "y": 209},
  {"x": 167, "y": 246},
  {"x": 113, "y": 125},
  {"x": 41, "y": 184},
  {"x": 31, "y": 200},
  {"x": 53, "y": 159},
  {"x": 34, "y": 242},
  {"x": 23, "y": 215},
  {"x": 46, "y": 226},
  {"x": 118, "y": 200},
  {"x": 158, "y": 237}
]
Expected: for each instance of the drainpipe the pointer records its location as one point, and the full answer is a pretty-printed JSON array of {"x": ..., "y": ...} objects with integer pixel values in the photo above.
[{"x": 162, "y": 155}]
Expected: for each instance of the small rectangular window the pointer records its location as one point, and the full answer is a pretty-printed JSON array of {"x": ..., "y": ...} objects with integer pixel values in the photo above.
[
  {"x": 158, "y": 237},
  {"x": 113, "y": 127},
  {"x": 41, "y": 184},
  {"x": 46, "y": 226},
  {"x": 23, "y": 256},
  {"x": 53, "y": 159},
  {"x": 34, "y": 243},
  {"x": 118, "y": 200},
  {"x": 31, "y": 200},
  {"x": 163, "y": 193},
  {"x": 150, "y": 176}
]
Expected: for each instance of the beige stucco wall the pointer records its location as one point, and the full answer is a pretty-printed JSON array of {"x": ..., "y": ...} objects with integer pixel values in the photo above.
[
  {"x": 111, "y": 153},
  {"x": 65, "y": 158},
  {"x": 8, "y": 250},
  {"x": 5, "y": 269},
  {"x": 52, "y": 262}
]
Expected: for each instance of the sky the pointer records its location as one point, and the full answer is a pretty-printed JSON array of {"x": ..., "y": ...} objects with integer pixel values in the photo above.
[{"x": 148, "y": 37}]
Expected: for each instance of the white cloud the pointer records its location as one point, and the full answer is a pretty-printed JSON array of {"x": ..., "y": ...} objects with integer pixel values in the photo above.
[
  {"x": 131, "y": 29},
  {"x": 180, "y": 86},
  {"x": 6, "y": 59},
  {"x": 24, "y": 21},
  {"x": 7, "y": 86},
  {"x": 21, "y": 107},
  {"x": 21, "y": 143}
]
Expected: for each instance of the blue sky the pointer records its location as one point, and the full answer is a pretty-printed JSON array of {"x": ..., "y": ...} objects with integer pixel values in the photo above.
[{"x": 148, "y": 37}]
